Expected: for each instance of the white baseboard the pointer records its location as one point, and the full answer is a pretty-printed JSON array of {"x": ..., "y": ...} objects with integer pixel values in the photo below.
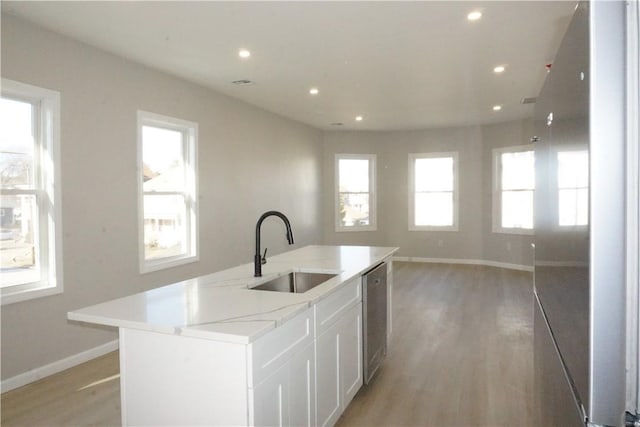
[
  {"x": 485, "y": 263},
  {"x": 57, "y": 366}
]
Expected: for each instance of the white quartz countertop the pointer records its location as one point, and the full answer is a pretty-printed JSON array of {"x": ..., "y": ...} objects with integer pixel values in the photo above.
[{"x": 222, "y": 306}]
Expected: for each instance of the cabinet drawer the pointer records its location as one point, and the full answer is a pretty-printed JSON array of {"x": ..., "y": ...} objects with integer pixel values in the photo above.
[
  {"x": 335, "y": 305},
  {"x": 271, "y": 351}
]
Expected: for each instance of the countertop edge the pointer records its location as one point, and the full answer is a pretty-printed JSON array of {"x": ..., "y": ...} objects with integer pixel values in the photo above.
[{"x": 314, "y": 296}]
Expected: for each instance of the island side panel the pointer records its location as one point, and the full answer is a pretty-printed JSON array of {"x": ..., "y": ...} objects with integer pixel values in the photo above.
[{"x": 175, "y": 380}]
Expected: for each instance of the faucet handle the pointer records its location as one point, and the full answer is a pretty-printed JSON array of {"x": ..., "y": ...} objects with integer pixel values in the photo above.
[{"x": 264, "y": 257}]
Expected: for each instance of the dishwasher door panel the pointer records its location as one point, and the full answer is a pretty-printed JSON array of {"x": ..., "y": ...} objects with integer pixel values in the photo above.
[{"x": 374, "y": 296}]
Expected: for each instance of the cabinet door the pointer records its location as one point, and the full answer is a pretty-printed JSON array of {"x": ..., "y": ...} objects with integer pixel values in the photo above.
[
  {"x": 328, "y": 376},
  {"x": 350, "y": 333},
  {"x": 271, "y": 400},
  {"x": 302, "y": 388}
]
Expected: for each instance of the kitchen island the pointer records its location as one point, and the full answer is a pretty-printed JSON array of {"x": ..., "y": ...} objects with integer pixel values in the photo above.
[{"x": 214, "y": 351}]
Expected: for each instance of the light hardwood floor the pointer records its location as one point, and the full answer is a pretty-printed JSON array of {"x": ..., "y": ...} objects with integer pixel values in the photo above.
[
  {"x": 461, "y": 355},
  {"x": 461, "y": 352},
  {"x": 86, "y": 395}
]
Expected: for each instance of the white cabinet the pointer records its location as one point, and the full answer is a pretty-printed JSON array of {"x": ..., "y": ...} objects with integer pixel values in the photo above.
[
  {"x": 282, "y": 375},
  {"x": 287, "y": 396},
  {"x": 270, "y": 400},
  {"x": 328, "y": 377},
  {"x": 304, "y": 372},
  {"x": 302, "y": 386},
  {"x": 351, "y": 370},
  {"x": 338, "y": 352}
]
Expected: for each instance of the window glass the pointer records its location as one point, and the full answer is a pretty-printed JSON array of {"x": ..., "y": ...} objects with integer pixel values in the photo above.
[
  {"x": 162, "y": 151},
  {"x": 30, "y": 258},
  {"x": 355, "y": 198},
  {"x": 518, "y": 171},
  {"x": 19, "y": 232},
  {"x": 165, "y": 234},
  {"x": 17, "y": 143},
  {"x": 514, "y": 184},
  {"x": 354, "y": 175},
  {"x": 168, "y": 223},
  {"x": 573, "y": 188},
  {"x": 433, "y": 191},
  {"x": 517, "y": 209},
  {"x": 434, "y": 209},
  {"x": 434, "y": 174}
]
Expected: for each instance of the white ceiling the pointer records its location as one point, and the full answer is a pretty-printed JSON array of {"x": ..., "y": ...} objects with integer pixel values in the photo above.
[{"x": 401, "y": 65}]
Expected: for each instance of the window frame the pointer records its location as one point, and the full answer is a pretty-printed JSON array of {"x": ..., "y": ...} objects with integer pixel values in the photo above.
[
  {"x": 47, "y": 189},
  {"x": 189, "y": 131},
  {"x": 456, "y": 193},
  {"x": 373, "y": 224},
  {"x": 496, "y": 213},
  {"x": 563, "y": 149}
]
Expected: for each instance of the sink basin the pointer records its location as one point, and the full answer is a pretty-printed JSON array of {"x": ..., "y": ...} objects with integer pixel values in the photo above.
[{"x": 296, "y": 282}]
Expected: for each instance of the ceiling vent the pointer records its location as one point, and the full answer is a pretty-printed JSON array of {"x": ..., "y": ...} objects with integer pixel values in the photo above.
[
  {"x": 531, "y": 100},
  {"x": 243, "y": 82},
  {"x": 337, "y": 124}
]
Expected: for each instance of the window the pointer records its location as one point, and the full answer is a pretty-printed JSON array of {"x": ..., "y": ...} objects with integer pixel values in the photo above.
[
  {"x": 31, "y": 246},
  {"x": 513, "y": 183},
  {"x": 433, "y": 191},
  {"x": 355, "y": 192},
  {"x": 573, "y": 188},
  {"x": 167, "y": 202}
]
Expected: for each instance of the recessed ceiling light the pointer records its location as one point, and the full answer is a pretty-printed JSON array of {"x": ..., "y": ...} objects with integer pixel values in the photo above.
[
  {"x": 499, "y": 69},
  {"x": 497, "y": 107},
  {"x": 244, "y": 53},
  {"x": 314, "y": 91},
  {"x": 474, "y": 16},
  {"x": 358, "y": 118}
]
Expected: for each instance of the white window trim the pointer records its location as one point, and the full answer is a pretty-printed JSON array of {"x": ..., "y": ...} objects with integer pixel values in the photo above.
[
  {"x": 556, "y": 220},
  {"x": 372, "y": 194},
  {"x": 48, "y": 150},
  {"x": 496, "y": 213},
  {"x": 190, "y": 130},
  {"x": 456, "y": 194}
]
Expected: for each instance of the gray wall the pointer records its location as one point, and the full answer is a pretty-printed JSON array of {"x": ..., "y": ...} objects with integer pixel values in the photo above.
[
  {"x": 475, "y": 239},
  {"x": 250, "y": 161}
]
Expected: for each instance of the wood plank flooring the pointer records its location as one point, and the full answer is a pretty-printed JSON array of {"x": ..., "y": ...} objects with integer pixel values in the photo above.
[
  {"x": 461, "y": 355},
  {"x": 461, "y": 352},
  {"x": 85, "y": 395}
]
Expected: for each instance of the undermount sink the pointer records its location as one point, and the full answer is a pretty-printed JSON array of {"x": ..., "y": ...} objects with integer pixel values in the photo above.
[{"x": 296, "y": 282}]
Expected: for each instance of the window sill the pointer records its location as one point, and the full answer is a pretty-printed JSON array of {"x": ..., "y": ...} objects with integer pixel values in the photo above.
[
  {"x": 162, "y": 264},
  {"x": 28, "y": 293},
  {"x": 570, "y": 228},
  {"x": 352, "y": 229},
  {"x": 433, "y": 228},
  {"x": 517, "y": 231}
]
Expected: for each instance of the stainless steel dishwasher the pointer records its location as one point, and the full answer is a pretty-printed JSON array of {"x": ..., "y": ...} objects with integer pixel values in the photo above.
[{"x": 374, "y": 297}]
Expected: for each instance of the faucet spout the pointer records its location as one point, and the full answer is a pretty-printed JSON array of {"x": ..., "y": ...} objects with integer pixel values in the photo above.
[{"x": 258, "y": 260}]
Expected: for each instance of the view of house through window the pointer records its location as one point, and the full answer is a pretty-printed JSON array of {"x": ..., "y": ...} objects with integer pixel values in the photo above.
[
  {"x": 433, "y": 194},
  {"x": 18, "y": 212},
  {"x": 355, "y": 196},
  {"x": 573, "y": 188},
  {"x": 168, "y": 190},
  {"x": 30, "y": 250}
]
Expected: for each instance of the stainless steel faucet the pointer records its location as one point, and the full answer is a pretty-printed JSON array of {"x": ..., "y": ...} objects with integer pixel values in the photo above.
[{"x": 258, "y": 259}]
